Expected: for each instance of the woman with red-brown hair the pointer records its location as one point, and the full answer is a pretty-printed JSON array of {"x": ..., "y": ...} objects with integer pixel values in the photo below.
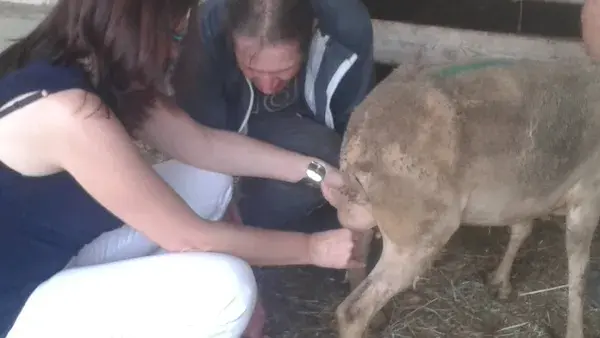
[{"x": 72, "y": 93}]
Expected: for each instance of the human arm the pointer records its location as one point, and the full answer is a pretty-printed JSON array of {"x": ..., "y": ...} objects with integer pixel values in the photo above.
[
  {"x": 590, "y": 27},
  {"x": 173, "y": 132},
  {"x": 349, "y": 24},
  {"x": 99, "y": 154},
  {"x": 352, "y": 90}
]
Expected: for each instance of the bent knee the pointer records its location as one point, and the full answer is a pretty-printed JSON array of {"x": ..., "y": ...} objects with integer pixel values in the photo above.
[
  {"x": 223, "y": 284},
  {"x": 207, "y": 193},
  {"x": 233, "y": 276},
  {"x": 176, "y": 294}
]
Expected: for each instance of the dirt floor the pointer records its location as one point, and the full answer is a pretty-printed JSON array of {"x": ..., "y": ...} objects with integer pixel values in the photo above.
[{"x": 452, "y": 300}]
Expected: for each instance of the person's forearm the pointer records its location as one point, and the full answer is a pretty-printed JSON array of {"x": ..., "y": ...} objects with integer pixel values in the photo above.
[
  {"x": 238, "y": 155},
  {"x": 176, "y": 134},
  {"x": 258, "y": 247}
]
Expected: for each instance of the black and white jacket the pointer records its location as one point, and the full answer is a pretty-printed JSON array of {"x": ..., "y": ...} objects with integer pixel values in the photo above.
[{"x": 338, "y": 73}]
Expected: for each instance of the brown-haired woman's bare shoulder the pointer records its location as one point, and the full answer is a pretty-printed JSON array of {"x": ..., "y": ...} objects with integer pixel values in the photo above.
[{"x": 33, "y": 137}]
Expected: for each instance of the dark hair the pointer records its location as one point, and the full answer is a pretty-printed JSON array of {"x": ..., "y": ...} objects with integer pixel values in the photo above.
[
  {"x": 272, "y": 21},
  {"x": 124, "y": 47}
]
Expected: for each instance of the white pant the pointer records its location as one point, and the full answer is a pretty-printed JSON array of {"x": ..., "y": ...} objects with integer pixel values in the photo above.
[{"x": 122, "y": 285}]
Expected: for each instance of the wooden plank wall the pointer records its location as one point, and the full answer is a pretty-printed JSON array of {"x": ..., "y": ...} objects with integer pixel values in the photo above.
[{"x": 397, "y": 43}]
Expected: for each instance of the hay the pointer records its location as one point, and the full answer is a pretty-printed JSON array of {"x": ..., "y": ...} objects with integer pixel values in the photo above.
[{"x": 451, "y": 300}]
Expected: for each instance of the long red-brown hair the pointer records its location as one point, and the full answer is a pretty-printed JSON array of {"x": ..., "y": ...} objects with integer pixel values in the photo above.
[{"x": 124, "y": 46}]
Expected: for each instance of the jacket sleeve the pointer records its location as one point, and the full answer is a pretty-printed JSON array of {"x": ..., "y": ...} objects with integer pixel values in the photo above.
[
  {"x": 199, "y": 90},
  {"x": 349, "y": 23}
]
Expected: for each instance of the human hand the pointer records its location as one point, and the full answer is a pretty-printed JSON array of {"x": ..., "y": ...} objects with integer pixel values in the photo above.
[
  {"x": 334, "y": 249},
  {"x": 332, "y": 184}
]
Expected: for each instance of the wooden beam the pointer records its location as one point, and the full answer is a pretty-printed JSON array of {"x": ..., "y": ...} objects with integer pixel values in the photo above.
[
  {"x": 31, "y": 2},
  {"x": 17, "y": 20},
  {"x": 397, "y": 43},
  {"x": 573, "y": 2}
]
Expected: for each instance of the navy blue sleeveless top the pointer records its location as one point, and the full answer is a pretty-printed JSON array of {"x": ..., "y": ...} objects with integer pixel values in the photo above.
[{"x": 44, "y": 221}]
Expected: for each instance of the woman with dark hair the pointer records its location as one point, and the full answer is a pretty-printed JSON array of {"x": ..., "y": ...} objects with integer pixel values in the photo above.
[
  {"x": 73, "y": 93},
  {"x": 287, "y": 72}
]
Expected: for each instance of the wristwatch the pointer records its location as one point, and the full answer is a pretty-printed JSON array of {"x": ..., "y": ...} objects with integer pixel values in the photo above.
[{"x": 314, "y": 175}]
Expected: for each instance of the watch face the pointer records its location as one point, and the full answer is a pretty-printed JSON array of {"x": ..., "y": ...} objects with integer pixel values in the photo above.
[{"x": 315, "y": 176}]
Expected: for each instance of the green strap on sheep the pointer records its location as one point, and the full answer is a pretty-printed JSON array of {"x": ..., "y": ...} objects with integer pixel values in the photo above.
[{"x": 458, "y": 69}]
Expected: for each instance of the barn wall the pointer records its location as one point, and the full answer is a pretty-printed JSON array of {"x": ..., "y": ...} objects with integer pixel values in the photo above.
[
  {"x": 395, "y": 42},
  {"x": 32, "y": 2}
]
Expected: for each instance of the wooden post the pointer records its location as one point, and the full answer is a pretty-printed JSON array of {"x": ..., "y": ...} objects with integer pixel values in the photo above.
[{"x": 398, "y": 43}]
